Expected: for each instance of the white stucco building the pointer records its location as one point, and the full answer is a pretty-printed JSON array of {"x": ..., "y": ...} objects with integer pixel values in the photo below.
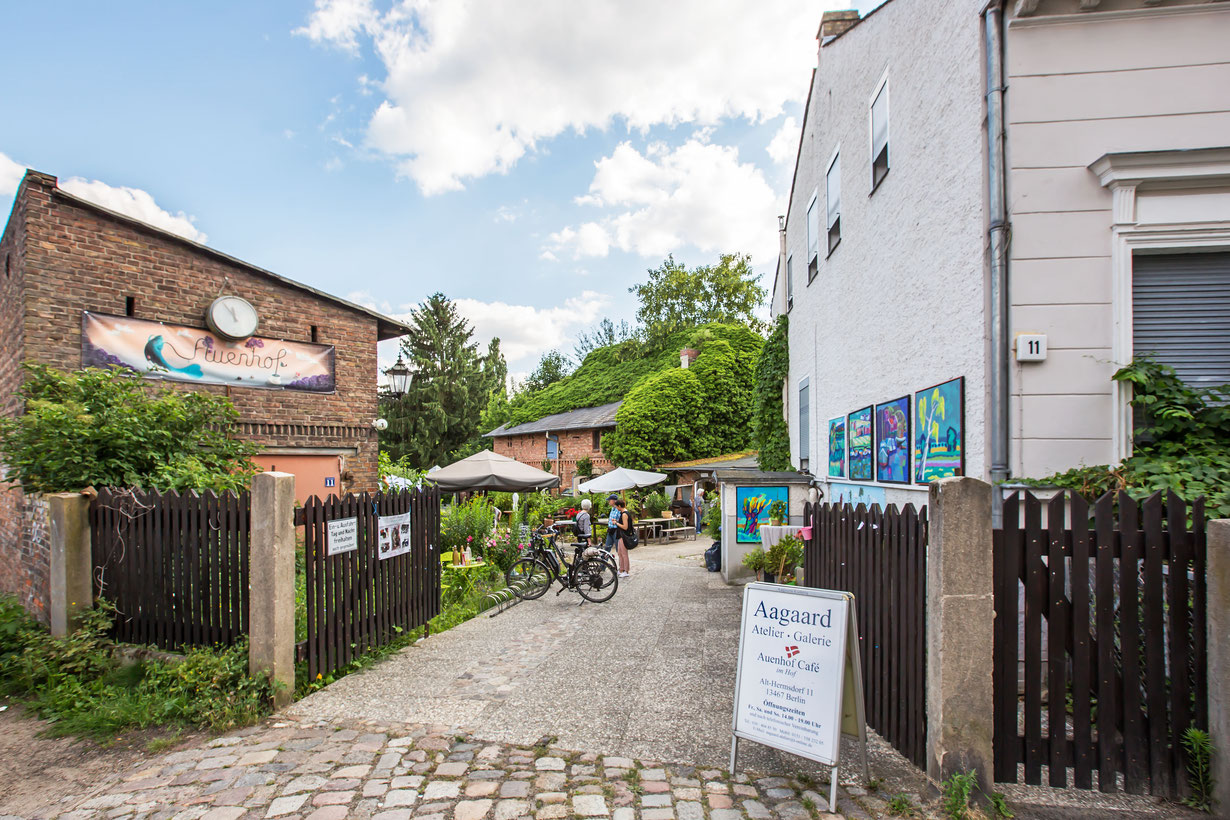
[{"x": 917, "y": 251}]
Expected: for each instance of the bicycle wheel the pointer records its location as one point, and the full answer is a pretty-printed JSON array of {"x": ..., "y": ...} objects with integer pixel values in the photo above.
[
  {"x": 528, "y": 578},
  {"x": 596, "y": 580}
]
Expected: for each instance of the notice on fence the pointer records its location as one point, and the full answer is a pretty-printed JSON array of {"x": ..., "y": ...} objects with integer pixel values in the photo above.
[
  {"x": 394, "y": 532},
  {"x": 343, "y": 536},
  {"x": 795, "y": 658}
]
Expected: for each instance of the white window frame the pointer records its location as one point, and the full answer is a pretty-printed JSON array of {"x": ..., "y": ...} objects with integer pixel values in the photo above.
[
  {"x": 835, "y": 159},
  {"x": 804, "y": 382},
  {"x": 1124, "y": 174},
  {"x": 789, "y": 283},
  {"x": 813, "y": 226},
  {"x": 881, "y": 87}
]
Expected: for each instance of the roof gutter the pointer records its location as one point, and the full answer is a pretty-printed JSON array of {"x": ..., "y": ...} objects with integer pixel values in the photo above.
[{"x": 998, "y": 236}]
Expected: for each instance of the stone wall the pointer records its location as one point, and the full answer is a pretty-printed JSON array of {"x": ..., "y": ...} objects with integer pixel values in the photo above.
[{"x": 26, "y": 561}]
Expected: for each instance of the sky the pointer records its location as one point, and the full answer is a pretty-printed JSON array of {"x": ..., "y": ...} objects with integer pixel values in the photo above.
[{"x": 531, "y": 161}]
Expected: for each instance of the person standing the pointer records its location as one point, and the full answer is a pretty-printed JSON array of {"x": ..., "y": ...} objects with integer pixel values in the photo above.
[
  {"x": 623, "y": 525},
  {"x": 612, "y": 523},
  {"x": 699, "y": 507},
  {"x": 585, "y": 525}
]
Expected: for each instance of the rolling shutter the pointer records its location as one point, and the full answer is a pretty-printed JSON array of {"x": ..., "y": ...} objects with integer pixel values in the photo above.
[{"x": 1181, "y": 314}]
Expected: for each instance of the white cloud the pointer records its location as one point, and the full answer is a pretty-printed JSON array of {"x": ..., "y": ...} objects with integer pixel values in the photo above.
[
  {"x": 471, "y": 87},
  {"x": 10, "y": 176},
  {"x": 697, "y": 194},
  {"x": 784, "y": 146},
  {"x": 135, "y": 203}
]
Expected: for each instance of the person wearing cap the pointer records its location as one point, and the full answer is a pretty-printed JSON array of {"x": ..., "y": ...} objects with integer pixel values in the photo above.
[{"x": 612, "y": 524}]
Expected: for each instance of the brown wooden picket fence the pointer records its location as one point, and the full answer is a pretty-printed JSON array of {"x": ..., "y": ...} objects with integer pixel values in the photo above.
[
  {"x": 360, "y": 600},
  {"x": 174, "y": 566},
  {"x": 1105, "y": 670},
  {"x": 880, "y": 556}
]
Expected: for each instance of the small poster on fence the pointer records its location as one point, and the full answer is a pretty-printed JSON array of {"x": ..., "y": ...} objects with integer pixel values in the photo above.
[
  {"x": 394, "y": 535},
  {"x": 343, "y": 536}
]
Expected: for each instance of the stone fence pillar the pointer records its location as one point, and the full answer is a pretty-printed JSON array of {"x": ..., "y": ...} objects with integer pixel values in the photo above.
[
  {"x": 71, "y": 562},
  {"x": 271, "y": 581},
  {"x": 1216, "y": 625},
  {"x": 960, "y": 631}
]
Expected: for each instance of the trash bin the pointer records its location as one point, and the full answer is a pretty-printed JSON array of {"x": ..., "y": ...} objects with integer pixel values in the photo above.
[{"x": 713, "y": 557}]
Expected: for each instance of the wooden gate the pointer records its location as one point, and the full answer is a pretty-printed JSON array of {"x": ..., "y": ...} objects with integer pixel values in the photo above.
[
  {"x": 1105, "y": 669},
  {"x": 174, "y": 566},
  {"x": 881, "y": 558},
  {"x": 364, "y": 598}
]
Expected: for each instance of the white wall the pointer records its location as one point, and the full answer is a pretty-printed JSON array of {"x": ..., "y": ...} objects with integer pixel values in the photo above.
[
  {"x": 1081, "y": 85},
  {"x": 899, "y": 305}
]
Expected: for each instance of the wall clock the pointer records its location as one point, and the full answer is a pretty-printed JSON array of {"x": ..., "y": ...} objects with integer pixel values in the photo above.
[{"x": 232, "y": 317}]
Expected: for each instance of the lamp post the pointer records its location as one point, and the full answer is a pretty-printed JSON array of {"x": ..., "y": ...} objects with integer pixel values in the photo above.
[{"x": 399, "y": 378}]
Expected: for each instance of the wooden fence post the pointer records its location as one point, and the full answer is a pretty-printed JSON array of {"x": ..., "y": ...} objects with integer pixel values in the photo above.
[
  {"x": 1216, "y": 625},
  {"x": 271, "y": 579},
  {"x": 960, "y": 631},
  {"x": 71, "y": 561}
]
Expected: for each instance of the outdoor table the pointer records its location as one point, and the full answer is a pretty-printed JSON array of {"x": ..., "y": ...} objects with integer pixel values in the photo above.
[{"x": 770, "y": 535}]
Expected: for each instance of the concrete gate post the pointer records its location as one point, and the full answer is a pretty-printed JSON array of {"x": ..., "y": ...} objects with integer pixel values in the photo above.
[
  {"x": 71, "y": 561},
  {"x": 271, "y": 579},
  {"x": 1216, "y": 625},
  {"x": 960, "y": 630}
]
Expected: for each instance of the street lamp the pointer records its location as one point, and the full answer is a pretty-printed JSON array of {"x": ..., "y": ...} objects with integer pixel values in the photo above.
[{"x": 399, "y": 378}]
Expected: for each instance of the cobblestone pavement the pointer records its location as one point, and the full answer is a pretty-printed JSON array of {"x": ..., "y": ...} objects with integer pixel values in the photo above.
[{"x": 323, "y": 770}]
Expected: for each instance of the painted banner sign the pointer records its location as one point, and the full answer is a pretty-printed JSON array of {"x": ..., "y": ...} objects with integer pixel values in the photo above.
[
  {"x": 394, "y": 531},
  {"x": 188, "y": 354}
]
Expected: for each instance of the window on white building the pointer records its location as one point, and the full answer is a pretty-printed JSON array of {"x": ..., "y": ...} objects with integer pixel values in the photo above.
[
  {"x": 804, "y": 424},
  {"x": 789, "y": 283},
  {"x": 832, "y": 195},
  {"x": 879, "y": 134},
  {"x": 813, "y": 238}
]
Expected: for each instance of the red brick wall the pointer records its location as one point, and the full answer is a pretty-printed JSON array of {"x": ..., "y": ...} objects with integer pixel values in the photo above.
[{"x": 573, "y": 444}]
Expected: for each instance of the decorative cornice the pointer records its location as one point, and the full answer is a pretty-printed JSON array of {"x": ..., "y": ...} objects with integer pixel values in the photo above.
[
  {"x": 1200, "y": 166},
  {"x": 1026, "y": 11}
]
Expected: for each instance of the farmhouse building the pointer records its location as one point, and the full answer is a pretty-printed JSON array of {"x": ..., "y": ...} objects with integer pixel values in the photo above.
[
  {"x": 555, "y": 443},
  {"x": 994, "y": 207},
  {"x": 82, "y": 286}
]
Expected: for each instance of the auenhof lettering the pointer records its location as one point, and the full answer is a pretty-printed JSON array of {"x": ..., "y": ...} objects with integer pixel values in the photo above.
[{"x": 784, "y": 616}]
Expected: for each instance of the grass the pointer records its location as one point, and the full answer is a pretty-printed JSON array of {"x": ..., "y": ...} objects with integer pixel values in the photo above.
[{"x": 899, "y": 805}]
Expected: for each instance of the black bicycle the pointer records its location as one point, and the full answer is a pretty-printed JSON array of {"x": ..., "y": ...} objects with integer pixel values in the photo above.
[{"x": 591, "y": 571}]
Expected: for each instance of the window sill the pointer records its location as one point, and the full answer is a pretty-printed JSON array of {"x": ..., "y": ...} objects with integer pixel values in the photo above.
[
  {"x": 833, "y": 250},
  {"x": 876, "y": 186}
]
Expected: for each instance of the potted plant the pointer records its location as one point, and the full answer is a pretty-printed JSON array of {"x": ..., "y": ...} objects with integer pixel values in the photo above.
[
  {"x": 777, "y": 512},
  {"x": 654, "y": 504},
  {"x": 783, "y": 557},
  {"x": 754, "y": 560}
]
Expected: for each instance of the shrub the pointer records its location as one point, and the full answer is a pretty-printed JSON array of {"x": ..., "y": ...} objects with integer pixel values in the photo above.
[
  {"x": 654, "y": 503},
  {"x": 585, "y": 466},
  {"x": 111, "y": 429},
  {"x": 661, "y": 420},
  {"x": 467, "y": 524},
  {"x": 770, "y": 436},
  {"x": 713, "y": 520},
  {"x": 726, "y": 382},
  {"x": 755, "y": 559},
  {"x": 784, "y": 556}
]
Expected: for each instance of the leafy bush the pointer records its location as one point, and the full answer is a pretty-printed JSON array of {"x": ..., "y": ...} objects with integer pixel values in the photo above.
[
  {"x": 467, "y": 524},
  {"x": 755, "y": 559},
  {"x": 503, "y": 548},
  {"x": 399, "y": 469},
  {"x": 770, "y": 436},
  {"x": 1182, "y": 442},
  {"x": 727, "y": 386},
  {"x": 777, "y": 509},
  {"x": 585, "y": 466},
  {"x": 660, "y": 421},
  {"x": 713, "y": 519},
  {"x": 111, "y": 429},
  {"x": 784, "y": 556},
  {"x": 653, "y": 503}
]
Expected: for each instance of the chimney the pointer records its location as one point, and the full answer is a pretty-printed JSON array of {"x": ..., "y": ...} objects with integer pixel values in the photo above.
[
  {"x": 687, "y": 356},
  {"x": 835, "y": 23}
]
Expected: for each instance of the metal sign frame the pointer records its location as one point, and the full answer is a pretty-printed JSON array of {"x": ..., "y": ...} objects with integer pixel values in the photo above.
[{"x": 853, "y": 720}]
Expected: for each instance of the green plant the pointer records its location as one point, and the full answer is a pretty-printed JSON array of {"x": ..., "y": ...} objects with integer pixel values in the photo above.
[
  {"x": 585, "y": 466},
  {"x": 467, "y": 524},
  {"x": 1199, "y": 749},
  {"x": 770, "y": 436},
  {"x": 398, "y": 469},
  {"x": 755, "y": 559},
  {"x": 999, "y": 805},
  {"x": 713, "y": 519},
  {"x": 1181, "y": 442},
  {"x": 662, "y": 419},
  {"x": 111, "y": 429},
  {"x": 899, "y": 805},
  {"x": 784, "y": 556},
  {"x": 777, "y": 509},
  {"x": 654, "y": 503},
  {"x": 955, "y": 794}
]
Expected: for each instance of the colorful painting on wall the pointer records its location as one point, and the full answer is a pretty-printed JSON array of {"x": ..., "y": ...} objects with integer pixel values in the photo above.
[
  {"x": 939, "y": 431},
  {"x": 893, "y": 441},
  {"x": 188, "y": 354},
  {"x": 858, "y": 437},
  {"x": 753, "y": 509},
  {"x": 837, "y": 448}
]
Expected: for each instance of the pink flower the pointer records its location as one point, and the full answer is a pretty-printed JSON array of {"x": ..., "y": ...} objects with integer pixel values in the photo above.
[{"x": 469, "y": 538}]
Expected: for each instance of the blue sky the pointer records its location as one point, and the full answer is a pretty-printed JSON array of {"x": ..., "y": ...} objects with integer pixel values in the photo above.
[{"x": 528, "y": 160}]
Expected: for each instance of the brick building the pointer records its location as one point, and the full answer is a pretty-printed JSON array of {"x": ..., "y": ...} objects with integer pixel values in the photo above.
[
  {"x": 74, "y": 272},
  {"x": 561, "y": 439}
]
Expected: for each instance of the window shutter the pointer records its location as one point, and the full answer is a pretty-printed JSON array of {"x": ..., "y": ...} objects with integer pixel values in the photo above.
[
  {"x": 804, "y": 422},
  {"x": 879, "y": 122},
  {"x": 1181, "y": 314},
  {"x": 813, "y": 230},
  {"x": 832, "y": 184}
]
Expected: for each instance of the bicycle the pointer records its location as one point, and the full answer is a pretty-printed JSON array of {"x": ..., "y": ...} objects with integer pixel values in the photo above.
[{"x": 592, "y": 572}]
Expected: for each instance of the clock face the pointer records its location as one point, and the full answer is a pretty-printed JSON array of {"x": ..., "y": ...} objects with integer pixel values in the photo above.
[{"x": 232, "y": 317}]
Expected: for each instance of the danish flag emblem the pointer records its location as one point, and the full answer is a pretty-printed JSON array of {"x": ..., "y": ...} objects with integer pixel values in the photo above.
[{"x": 791, "y": 651}]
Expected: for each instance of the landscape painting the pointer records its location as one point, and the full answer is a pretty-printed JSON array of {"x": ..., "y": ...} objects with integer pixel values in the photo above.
[
  {"x": 939, "y": 437},
  {"x": 858, "y": 439},
  {"x": 837, "y": 448},
  {"x": 752, "y": 504},
  {"x": 893, "y": 441}
]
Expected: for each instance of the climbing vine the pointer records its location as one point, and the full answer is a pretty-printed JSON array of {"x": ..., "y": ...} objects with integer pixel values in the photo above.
[
  {"x": 1181, "y": 442},
  {"x": 770, "y": 436}
]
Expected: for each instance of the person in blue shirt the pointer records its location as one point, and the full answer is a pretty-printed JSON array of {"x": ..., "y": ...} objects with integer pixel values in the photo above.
[{"x": 612, "y": 524}]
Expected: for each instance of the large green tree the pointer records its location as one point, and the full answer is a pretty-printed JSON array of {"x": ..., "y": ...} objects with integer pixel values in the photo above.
[
  {"x": 675, "y": 298},
  {"x": 770, "y": 436},
  {"x": 451, "y": 383},
  {"x": 662, "y": 419},
  {"x": 552, "y": 367}
]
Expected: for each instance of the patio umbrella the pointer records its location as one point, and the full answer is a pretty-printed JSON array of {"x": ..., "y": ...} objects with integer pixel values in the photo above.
[
  {"x": 491, "y": 471},
  {"x": 621, "y": 479}
]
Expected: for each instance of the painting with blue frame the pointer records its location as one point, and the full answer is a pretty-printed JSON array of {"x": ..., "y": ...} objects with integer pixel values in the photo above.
[
  {"x": 858, "y": 444},
  {"x": 752, "y": 510},
  {"x": 939, "y": 431},
  {"x": 892, "y": 421},
  {"x": 837, "y": 447}
]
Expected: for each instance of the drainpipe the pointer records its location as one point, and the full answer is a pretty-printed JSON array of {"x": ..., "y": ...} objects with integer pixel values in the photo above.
[{"x": 993, "y": 31}]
